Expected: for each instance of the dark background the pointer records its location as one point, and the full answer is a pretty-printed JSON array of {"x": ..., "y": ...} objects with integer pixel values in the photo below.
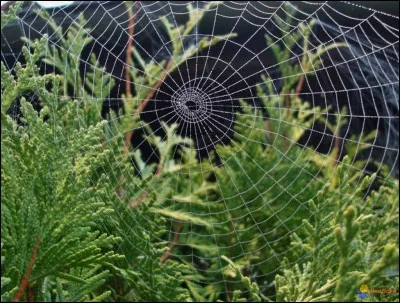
[{"x": 105, "y": 20}]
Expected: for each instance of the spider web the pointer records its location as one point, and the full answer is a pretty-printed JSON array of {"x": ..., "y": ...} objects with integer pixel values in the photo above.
[{"x": 215, "y": 98}]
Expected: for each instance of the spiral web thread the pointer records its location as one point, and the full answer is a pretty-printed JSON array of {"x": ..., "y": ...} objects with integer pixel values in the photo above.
[{"x": 203, "y": 95}]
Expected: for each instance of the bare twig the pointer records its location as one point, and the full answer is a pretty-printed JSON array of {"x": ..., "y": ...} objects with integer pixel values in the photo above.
[
  {"x": 171, "y": 245},
  {"x": 128, "y": 62},
  {"x": 25, "y": 280},
  {"x": 300, "y": 85},
  {"x": 155, "y": 87},
  {"x": 135, "y": 202},
  {"x": 287, "y": 111},
  {"x": 337, "y": 150},
  {"x": 146, "y": 100},
  {"x": 131, "y": 32},
  {"x": 299, "y": 88},
  {"x": 142, "y": 105}
]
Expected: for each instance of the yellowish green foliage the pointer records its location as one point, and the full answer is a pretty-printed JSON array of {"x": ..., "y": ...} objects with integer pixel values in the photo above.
[{"x": 94, "y": 223}]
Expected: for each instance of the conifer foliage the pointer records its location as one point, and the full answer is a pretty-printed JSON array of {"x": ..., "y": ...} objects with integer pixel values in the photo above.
[{"x": 81, "y": 219}]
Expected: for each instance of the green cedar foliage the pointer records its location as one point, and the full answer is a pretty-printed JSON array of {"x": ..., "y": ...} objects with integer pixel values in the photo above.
[{"x": 73, "y": 229}]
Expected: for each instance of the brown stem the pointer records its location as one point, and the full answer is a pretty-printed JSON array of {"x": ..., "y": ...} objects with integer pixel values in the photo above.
[
  {"x": 128, "y": 61},
  {"x": 287, "y": 109},
  {"x": 140, "y": 108},
  {"x": 25, "y": 280},
  {"x": 171, "y": 245},
  {"x": 128, "y": 135},
  {"x": 300, "y": 85},
  {"x": 337, "y": 150},
  {"x": 267, "y": 128},
  {"x": 131, "y": 31},
  {"x": 155, "y": 87},
  {"x": 135, "y": 202},
  {"x": 299, "y": 88},
  {"x": 142, "y": 105},
  {"x": 287, "y": 103},
  {"x": 127, "y": 143}
]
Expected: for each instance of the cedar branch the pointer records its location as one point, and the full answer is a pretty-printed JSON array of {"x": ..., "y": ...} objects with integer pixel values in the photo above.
[
  {"x": 25, "y": 280},
  {"x": 129, "y": 134},
  {"x": 142, "y": 105}
]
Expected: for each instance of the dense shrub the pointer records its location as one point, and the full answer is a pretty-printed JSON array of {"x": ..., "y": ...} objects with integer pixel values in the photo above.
[{"x": 84, "y": 218}]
